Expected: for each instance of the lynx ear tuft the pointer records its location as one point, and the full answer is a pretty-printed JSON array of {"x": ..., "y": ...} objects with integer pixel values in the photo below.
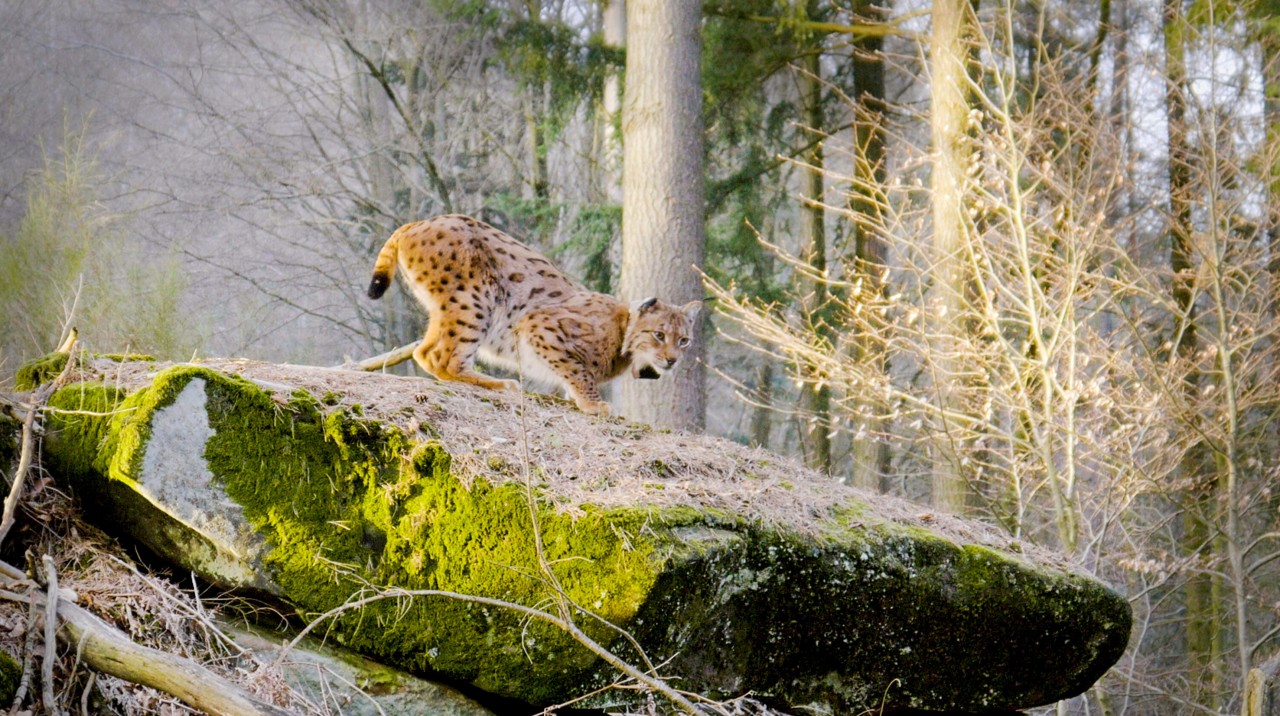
[
  {"x": 690, "y": 310},
  {"x": 645, "y": 305}
]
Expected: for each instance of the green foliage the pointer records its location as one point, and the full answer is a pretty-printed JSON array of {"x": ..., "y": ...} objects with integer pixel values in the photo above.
[
  {"x": 555, "y": 56},
  {"x": 71, "y": 260},
  {"x": 738, "y": 55},
  {"x": 592, "y": 233},
  {"x": 747, "y": 133}
]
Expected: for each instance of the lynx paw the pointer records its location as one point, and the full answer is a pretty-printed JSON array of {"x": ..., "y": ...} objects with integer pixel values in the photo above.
[{"x": 594, "y": 407}]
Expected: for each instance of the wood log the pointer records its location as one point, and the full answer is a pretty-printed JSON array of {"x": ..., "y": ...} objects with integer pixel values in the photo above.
[
  {"x": 384, "y": 360},
  {"x": 108, "y": 650}
]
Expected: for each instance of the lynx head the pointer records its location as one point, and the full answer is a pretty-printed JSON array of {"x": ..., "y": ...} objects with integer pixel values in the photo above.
[{"x": 657, "y": 335}]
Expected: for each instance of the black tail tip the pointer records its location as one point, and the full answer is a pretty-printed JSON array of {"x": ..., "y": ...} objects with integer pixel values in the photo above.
[{"x": 378, "y": 286}]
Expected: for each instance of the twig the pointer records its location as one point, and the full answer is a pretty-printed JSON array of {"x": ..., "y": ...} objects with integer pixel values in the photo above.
[
  {"x": 384, "y": 360},
  {"x": 50, "y": 634},
  {"x": 19, "y": 475},
  {"x": 29, "y": 645},
  {"x": 88, "y": 690}
]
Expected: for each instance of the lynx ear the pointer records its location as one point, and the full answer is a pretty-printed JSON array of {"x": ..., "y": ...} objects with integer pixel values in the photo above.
[
  {"x": 645, "y": 305},
  {"x": 690, "y": 310}
]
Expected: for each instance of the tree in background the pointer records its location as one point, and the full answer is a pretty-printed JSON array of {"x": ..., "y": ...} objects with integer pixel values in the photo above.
[
  {"x": 949, "y": 282},
  {"x": 663, "y": 240}
]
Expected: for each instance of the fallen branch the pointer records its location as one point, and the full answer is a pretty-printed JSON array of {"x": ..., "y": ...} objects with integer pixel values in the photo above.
[
  {"x": 29, "y": 645},
  {"x": 108, "y": 650},
  {"x": 383, "y": 361}
]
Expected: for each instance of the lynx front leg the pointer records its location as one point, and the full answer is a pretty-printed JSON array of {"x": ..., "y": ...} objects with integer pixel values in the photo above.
[
  {"x": 587, "y": 397},
  {"x": 583, "y": 390},
  {"x": 579, "y": 382}
]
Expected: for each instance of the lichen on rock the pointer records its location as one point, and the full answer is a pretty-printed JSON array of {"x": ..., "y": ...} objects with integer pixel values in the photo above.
[{"x": 314, "y": 502}]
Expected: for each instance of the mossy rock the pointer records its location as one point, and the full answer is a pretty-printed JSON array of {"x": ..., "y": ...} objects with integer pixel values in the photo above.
[
  {"x": 280, "y": 493},
  {"x": 33, "y": 373}
]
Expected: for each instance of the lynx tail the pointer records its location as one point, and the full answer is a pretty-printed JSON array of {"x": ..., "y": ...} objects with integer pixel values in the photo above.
[{"x": 384, "y": 269}]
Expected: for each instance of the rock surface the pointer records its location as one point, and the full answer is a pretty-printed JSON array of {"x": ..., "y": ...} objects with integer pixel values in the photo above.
[{"x": 732, "y": 569}]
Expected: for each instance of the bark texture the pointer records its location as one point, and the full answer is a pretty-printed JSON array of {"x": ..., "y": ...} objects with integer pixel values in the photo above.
[{"x": 663, "y": 214}]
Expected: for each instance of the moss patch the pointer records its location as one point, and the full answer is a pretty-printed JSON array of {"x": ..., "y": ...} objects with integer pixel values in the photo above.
[
  {"x": 10, "y": 674},
  {"x": 10, "y": 443},
  {"x": 34, "y": 373}
]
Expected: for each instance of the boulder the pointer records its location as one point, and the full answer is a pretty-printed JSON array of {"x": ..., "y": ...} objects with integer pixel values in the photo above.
[{"x": 733, "y": 570}]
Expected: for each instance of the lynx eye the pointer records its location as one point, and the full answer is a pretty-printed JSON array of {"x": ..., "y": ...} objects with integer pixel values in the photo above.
[
  {"x": 683, "y": 342},
  {"x": 659, "y": 336}
]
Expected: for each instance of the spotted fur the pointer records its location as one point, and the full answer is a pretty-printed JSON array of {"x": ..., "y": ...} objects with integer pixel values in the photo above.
[{"x": 490, "y": 296}]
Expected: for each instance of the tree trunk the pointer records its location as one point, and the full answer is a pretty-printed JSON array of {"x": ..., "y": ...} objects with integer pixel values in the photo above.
[
  {"x": 663, "y": 213},
  {"x": 762, "y": 415},
  {"x": 817, "y": 392},
  {"x": 870, "y": 454},
  {"x": 614, "y": 17},
  {"x": 1194, "y": 469},
  {"x": 948, "y": 53},
  {"x": 535, "y": 106},
  {"x": 1270, "y": 44}
]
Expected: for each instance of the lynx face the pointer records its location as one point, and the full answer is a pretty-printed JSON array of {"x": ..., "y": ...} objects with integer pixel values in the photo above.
[
  {"x": 491, "y": 296},
  {"x": 658, "y": 336}
]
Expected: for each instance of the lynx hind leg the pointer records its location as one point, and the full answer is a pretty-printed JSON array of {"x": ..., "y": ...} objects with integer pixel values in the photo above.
[{"x": 444, "y": 356}]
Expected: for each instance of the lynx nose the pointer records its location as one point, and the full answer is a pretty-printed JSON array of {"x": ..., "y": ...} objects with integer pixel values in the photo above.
[{"x": 669, "y": 362}]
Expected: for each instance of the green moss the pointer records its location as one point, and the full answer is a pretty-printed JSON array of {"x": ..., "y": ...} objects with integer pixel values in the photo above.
[
  {"x": 33, "y": 374},
  {"x": 10, "y": 674},
  {"x": 344, "y": 502},
  {"x": 80, "y": 436},
  {"x": 10, "y": 442},
  {"x": 127, "y": 357}
]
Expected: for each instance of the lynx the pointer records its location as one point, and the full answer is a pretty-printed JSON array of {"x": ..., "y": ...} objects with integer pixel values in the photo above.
[{"x": 490, "y": 296}]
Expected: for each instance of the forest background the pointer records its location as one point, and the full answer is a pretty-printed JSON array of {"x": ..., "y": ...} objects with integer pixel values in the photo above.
[{"x": 1018, "y": 260}]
